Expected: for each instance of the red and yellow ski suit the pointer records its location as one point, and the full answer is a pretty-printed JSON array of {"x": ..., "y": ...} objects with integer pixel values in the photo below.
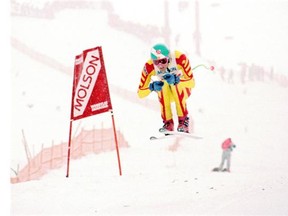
[{"x": 170, "y": 93}]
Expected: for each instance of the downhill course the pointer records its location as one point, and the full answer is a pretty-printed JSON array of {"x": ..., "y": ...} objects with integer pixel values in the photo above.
[{"x": 160, "y": 177}]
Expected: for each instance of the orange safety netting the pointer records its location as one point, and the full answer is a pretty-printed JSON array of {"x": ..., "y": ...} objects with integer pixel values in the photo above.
[{"x": 87, "y": 142}]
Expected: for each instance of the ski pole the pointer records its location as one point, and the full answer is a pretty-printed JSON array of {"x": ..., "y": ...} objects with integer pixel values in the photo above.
[
  {"x": 205, "y": 66},
  {"x": 179, "y": 73}
]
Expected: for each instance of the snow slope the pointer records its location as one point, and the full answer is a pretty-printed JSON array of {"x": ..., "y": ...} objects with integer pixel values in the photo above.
[
  {"x": 174, "y": 178},
  {"x": 167, "y": 177}
]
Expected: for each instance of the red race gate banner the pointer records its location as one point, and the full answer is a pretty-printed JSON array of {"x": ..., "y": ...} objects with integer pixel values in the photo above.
[{"x": 90, "y": 94}]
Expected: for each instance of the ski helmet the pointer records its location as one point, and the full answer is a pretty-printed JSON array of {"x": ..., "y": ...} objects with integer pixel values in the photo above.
[{"x": 159, "y": 51}]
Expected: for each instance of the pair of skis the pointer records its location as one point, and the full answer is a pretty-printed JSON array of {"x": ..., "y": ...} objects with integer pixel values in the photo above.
[{"x": 170, "y": 134}]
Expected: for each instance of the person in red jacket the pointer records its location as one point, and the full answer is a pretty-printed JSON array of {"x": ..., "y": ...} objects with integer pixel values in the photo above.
[
  {"x": 227, "y": 147},
  {"x": 169, "y": 74}
]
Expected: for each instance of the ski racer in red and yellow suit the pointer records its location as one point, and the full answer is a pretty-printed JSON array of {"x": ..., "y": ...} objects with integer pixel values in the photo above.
[{"x": 178, "y": 64}]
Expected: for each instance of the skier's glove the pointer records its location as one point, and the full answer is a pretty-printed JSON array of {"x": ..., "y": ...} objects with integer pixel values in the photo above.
[
  {"x": 172, "y": 79},
  {"x": 156, "y": 86}
]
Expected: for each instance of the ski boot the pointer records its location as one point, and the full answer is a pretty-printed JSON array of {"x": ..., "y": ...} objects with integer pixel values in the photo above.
[
  {"x": 216, "y": 169},
  {"x": 183, "y": 125},
  {"x": 168, "y": 126}
]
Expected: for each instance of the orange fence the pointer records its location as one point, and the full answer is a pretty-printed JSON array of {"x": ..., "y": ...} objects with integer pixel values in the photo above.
[{"x": 87, "y": 142}]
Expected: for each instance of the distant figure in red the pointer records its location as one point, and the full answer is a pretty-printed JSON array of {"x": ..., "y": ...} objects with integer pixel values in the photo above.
[{"x": 227, "y": 147}]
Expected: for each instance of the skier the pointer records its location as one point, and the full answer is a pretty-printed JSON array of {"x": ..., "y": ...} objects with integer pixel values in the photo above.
[
  {"x": 227, "y": 147},
  {"x": 169, "y": 74}
]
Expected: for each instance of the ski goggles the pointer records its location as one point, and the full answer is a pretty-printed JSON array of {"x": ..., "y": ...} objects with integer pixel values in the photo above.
[{"x": 160, "y": 61}]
